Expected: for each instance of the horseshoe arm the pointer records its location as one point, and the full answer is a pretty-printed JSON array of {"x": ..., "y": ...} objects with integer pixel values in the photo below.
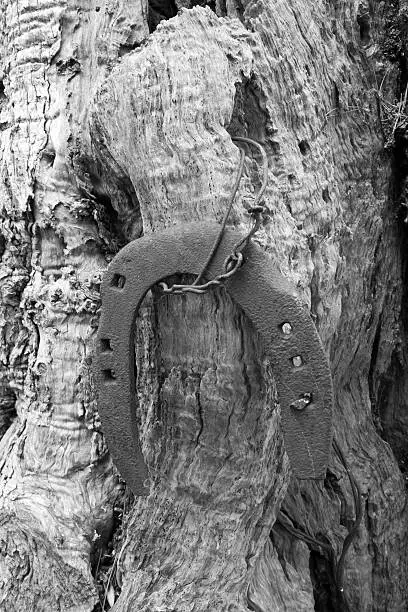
[{"x": 267, "y": 299}]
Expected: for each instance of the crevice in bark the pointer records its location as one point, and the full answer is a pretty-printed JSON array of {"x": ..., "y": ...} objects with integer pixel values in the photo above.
[
  {"x": 107, "y": 214},
  {"x": 160, "y": 10},
  {"x": 363, "y": 20},
  {"x": 127, "y": 48},
  {"x": 325, "y": 570},
  {"x": 111, "y": 194},
  {"x": 388, "y": 388},
  {"x": 105, "y": 555},
  {"x": 376, "y": 397},
  {"x": 390, "y": 402},
  {"x": 324, "y": 588},
  {"x": 2, "y": 245},
  {"x": 398, "y": 438},
  {"x": 200, "y": 416},
  {"x": 7, "y": 408},
  {"x": 3, "y": 97},
  {"x": 321, "y": 564},
  {"x": 315, "y": 299}
]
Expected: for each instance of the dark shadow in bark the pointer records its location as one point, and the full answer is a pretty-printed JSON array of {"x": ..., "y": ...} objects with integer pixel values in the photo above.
[
  {"x": 324, "y": 590},
  {"x": 113, "y": 199},
  {"x": 106, "y": 552},
  {"x": 322, "y": 564},
  {"x": 391, "y": 398},
  {"x": 2, "y": 245},
  {"x": 388, "y": 390},
  {"x": 3, "y": 96},
  {"x": 7, "y": 410},
  {"x": 160, "y": 10}
]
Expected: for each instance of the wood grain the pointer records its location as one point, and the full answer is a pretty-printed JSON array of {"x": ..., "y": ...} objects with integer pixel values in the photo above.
[{"x": 108, "y": 132}]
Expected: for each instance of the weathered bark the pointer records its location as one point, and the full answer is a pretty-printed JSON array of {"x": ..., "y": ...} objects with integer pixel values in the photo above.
[
  {"x": 57, "y": 483},
  {"x": 105, "y": 138}
]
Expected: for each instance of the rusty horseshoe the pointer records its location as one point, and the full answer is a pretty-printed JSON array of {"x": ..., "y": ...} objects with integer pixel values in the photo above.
[{"x": 291, "y": 340}]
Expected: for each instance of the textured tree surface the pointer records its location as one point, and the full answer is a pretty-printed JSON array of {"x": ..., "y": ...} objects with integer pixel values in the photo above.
[{"x": 116, "y": 122}]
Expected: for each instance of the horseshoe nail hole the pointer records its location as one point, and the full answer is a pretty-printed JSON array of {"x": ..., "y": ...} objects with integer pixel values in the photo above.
[
  {"x": 303, "y": 401},
  {"x": 108, "y": 376},
  {"x": 297, "y": 361},
  {"x": 105, "y": 345},
  {"x": 286, "y": 328},
  {"x": 118, "y": 281}
]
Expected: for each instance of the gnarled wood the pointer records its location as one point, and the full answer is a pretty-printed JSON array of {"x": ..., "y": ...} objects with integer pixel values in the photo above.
[
  {"x": 57, "y": 485},
  {"x": 315, "y": 82}
]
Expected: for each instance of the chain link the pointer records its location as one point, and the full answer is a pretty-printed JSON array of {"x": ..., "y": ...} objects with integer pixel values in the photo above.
[{"x": 235, "y": 259}]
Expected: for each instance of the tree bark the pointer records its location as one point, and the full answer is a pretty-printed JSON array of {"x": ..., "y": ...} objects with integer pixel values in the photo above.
[{"x": 110, "y": 131}]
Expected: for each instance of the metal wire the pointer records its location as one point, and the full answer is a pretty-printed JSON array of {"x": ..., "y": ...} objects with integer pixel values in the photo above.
[
  {"x": 226, "y": 216},
  {"x": 235, "y": 260},
  {"x": 338, "y": 565},
  {"x": 232, "y": 263}
]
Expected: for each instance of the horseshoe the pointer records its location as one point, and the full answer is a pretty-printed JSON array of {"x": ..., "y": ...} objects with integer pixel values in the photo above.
[{"x": 291, "y": 340}]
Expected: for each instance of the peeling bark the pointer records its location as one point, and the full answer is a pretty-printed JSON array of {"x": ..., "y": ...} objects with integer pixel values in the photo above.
[{"x": 114, "y": 123}]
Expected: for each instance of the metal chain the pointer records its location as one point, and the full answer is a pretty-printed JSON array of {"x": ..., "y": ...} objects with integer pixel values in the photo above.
[
  {"x": 235, "y": 260},
  {"x": 232, "y": 263}
]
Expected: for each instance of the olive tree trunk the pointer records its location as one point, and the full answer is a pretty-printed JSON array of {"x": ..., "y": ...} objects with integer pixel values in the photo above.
[{"x": 117, "y": 122}]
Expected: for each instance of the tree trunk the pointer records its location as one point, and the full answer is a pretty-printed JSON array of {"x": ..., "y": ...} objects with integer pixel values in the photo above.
[{"x": 112, "y": 128}]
